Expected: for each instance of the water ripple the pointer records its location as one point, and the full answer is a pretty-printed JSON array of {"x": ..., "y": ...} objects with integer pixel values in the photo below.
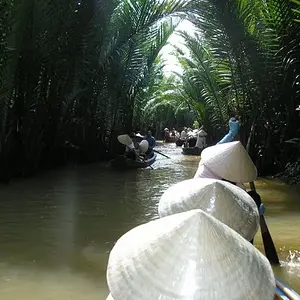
[{"x": 70, "y": 219}]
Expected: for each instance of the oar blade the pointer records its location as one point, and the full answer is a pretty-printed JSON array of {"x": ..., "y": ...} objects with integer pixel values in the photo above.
[
  {"x": 124, "y": 139},
  {"x": 269, "y": 246},
  {"x": 161, "y": 153}
]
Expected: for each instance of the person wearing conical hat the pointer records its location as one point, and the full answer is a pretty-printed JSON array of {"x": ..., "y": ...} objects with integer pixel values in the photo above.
[
  {"x": 189, "y": 255},
  {"x": 166, "y": 134},
  {"x": 223, "y": 200},
  {"x": 229, "y": 161}
]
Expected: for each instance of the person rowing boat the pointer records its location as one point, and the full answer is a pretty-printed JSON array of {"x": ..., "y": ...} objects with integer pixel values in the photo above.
[
  {"x": 231, "y": 162},
  {"x": 201, "y": 138},
  {"x": 228, "y": 161},
  {"x": 135, "y": 150},
  {"x": 234, "y": 127},
  {"x": 151, "y": 143},
  {"x": 138, "y": 159}
]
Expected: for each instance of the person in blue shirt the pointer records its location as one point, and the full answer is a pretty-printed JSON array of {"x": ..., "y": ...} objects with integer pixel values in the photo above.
[
  {"x": 234, "y": 127},
  {"x": 151, "y": 140}
]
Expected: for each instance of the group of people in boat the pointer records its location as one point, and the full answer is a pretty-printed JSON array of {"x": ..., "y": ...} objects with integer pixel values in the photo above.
[
  {"x": 192, "y": 138},
  {"x": 171, "y": 135},
  {"x": 201, "y": 247},
  {"x": 197, "y": 137},
  {"x": 142, "y": 147}
]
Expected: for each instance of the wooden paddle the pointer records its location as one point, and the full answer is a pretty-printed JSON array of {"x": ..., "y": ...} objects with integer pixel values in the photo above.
[
  {"x": 124, "y": 139},
  {"x": 269, "y": 246},
  {"x": 161, "y": 153}
]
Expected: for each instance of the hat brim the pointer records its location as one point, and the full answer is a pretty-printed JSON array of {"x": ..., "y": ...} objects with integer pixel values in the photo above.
[
  {"x": 230, "y": 161},
  {"x": 188, "y": 255},
  {"x": 223, "y": 200}
]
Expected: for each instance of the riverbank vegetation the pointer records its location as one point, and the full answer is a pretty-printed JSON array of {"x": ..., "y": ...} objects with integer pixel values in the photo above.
[
  {"x": 70, "y": 74},
  {"x": 75, "y": 74}
]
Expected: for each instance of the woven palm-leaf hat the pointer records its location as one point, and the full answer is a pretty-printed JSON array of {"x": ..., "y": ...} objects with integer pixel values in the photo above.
[
  {"x": 143, "y": 146},
  {"x": 186, "y": 256},
  {"x": 223, "y": 200},
  {"x": 230, "y": 161}
]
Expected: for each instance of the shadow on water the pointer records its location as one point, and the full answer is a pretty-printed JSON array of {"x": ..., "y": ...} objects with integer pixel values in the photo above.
[{"x": 56, "y": 230}]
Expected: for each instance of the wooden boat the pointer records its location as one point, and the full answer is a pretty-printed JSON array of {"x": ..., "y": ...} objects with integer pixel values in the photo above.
[
  {"x": 180, "y": 142},
  {"x": 191, "y": 151},
  {"x": 283, "y": 291},
  {"x": 126, "y": 163}
]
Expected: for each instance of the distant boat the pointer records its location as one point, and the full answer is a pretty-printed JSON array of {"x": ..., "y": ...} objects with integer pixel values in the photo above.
[{"x": 123, "y": 162}]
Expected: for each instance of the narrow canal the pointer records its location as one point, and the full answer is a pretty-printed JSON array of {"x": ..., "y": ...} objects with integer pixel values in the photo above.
[{"x": 57, "y": 229}]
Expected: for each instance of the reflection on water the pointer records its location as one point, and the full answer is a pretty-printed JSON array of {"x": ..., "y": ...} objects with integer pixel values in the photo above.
[{"x": 56, "y": 230}]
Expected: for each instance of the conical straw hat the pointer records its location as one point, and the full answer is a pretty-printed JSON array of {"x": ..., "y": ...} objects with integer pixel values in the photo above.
[
  {"x": 186, "y": 256},
  {"x": 223, "y": 200},
  {"x": 143, "y": 146},
  {"x": 230, "y": 161}
]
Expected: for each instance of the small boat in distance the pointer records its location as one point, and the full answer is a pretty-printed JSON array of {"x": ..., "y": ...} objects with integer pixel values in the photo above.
[{"x": 123, "y": 162}]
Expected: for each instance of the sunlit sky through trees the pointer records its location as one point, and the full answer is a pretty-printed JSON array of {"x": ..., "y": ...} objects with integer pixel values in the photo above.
[{"x": 171, "y": 63}]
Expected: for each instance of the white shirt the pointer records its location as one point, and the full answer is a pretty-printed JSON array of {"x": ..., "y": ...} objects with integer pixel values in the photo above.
[{"x": 201, "y": 142}]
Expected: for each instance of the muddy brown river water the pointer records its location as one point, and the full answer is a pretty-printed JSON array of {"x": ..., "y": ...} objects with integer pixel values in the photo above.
[{"x": 56, "y": 230}]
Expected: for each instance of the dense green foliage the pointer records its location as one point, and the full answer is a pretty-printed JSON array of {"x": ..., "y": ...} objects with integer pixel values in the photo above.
[
  {"x": 245, "y": 59},
  {"x": 75, "y": 74},
  {"x": 70, "y": 74}
]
